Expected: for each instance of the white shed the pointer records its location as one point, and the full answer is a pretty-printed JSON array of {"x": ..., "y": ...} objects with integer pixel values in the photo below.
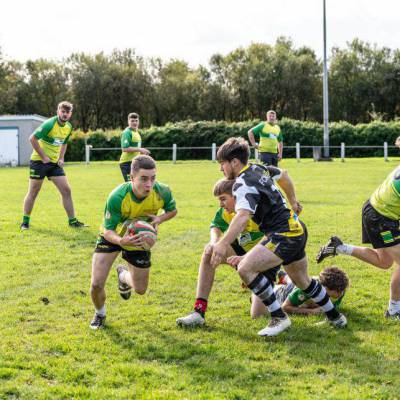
[{"x": 15, "y": 148}]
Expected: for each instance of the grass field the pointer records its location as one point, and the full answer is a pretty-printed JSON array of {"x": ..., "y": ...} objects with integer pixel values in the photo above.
[{"x": 48, "y": 352}]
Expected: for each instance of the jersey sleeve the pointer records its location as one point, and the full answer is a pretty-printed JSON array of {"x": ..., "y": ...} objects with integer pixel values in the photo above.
[
  {"x": 246, "y": 197},
  {"x": 219, "y": 222},
  {"x": 297, "y": 297},
  {"x": 166, "y": 194},
  {"x": 280, "y": 136},
  {"x": 338, "y": 301},
  {"x": 126, "y": 139},
  {"x": 45, "y": 128},
  {"x": 274, "y": 172},
  {"x": 258, "y": 128},
  {"x": 69, "y": 134},
  {"x": 112, "y": 211}
]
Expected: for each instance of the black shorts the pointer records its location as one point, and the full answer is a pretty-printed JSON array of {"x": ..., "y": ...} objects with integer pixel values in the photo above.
[
  {"x": 269, "y": 273},
  {"x": 137, "y": 258},
  {"x": 39, "y": 170},
  {"x": 377, "y": 229},
  {"x": 269, "y": 159},
  {"x": 288, "y": 248},
  {"x": 126, "y": 170}
]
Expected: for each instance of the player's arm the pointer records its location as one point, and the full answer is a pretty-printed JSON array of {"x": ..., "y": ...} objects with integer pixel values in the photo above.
[
  {"x": 280, "y": 150},
  {"x": 285, "y": 182},
  {"x": 141, "y": 150},
  {"x": 127, "y": 240},
  {"x": 304, "y": 309},
  {"x": 36, "y": 146},
  {"x": 169, "y": 207},
  {"x": 237, "y": 226},
  {"x": 252, "y": 139},
  {"x": 62, "y": 154}
]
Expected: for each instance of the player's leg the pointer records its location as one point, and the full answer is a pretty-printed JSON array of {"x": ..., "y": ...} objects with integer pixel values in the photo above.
[
  {"x": 251, "y": 268},
  {"x": 34, "y": 188},
  {"x": 297, "y": 271},
  {"x": 204, "y": 285},
  {"x": 393, "y": 310},
  {"x": 125, "y": 170},
  {"x": 61, "y": 183},
  {"x": 101, "y": 265}
]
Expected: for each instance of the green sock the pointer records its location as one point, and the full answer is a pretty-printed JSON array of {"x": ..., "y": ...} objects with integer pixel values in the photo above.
[
  {"x": 25, "y": 219},
  {"x": 72, "y": 220}
]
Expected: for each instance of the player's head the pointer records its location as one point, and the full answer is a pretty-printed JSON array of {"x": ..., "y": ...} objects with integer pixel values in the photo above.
[
  {"x": 271, "y": 116},
  {"x": 223, "y": 190},
  {"x": 143, "y": 175},
  {"x": 334, "y": 280},
  {"x": 133, "y": 120},
  {"x": 233, "y": 155},
  {"x": 64, "y": 111}
]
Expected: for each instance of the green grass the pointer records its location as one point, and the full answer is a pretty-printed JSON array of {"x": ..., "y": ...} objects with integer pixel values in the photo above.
[{"x": 48, "y": 351}]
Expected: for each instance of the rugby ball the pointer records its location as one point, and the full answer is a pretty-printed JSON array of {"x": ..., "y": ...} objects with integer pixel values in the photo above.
[{"x": 146, "y": 230}]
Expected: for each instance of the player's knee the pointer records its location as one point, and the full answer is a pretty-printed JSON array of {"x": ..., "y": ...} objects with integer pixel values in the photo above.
[
  {"x": 243, "y": 270},
  {"x": 66, "y": 191},
  {"x": 96, "y": 287},
  {"x": 140, "y": 290},
  {"x": 386, "y": 264}
]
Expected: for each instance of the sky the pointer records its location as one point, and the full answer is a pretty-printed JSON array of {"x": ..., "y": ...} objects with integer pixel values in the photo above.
[{"x": 189, "y": 30}]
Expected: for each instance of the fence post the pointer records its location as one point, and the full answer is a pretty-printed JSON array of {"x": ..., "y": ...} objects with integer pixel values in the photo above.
[
  {"x": 87, "y": 153},
  {"x": 214, "y": 152},
  {"x": 298, "y": 152},
  {"x": 174, "y": 151},
  {"x": 342, "y": 151},
  {"x": 256, "y": 154},
  {"x": 385, "y": 151}
]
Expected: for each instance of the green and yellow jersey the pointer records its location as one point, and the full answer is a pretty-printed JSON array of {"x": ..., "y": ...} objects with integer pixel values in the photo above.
[
  {"x": 386, "y": 199},
  {"x": 51, "y": 136},
  {"x": 123, "y": 206},
  {"x": 129, "y": 138},
  {"x": 269, "y": 136},
  {"x": 247, "y": 239},
  {"x": 297, "y": 297}
]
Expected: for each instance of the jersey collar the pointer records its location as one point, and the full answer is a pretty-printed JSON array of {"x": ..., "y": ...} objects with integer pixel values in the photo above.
[{"x": 244, "y": 168}]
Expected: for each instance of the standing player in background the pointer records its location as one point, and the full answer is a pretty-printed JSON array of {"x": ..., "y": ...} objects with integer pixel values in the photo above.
[
  {"x": 49, "y": 143},
  {"x": 257, "y": 197},
  {"x": 245, "y": 242},
  {"x": 270, "y": 146},
  {"x": 140, "y": 198},
  {"x": 380, "y": 227},
  {"x": 131, "y": 143}
]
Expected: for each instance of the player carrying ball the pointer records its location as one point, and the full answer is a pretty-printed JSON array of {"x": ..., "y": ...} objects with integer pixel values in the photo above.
[{"x": 141, "y": 198}]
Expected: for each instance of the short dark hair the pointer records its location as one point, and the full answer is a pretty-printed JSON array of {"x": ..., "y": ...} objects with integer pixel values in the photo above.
[
  {"x": 235, "y": 147},
  {"x": 334, "y": 278},
  {"x": 142, "y": 162},
  {"x": 66, "y": 105},
  {"x": 223, "y": 186},
  {"x": 133, "y": 115}
]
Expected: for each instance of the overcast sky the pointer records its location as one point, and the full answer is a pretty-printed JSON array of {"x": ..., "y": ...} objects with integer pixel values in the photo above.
[{"x": 189, "y": 30}]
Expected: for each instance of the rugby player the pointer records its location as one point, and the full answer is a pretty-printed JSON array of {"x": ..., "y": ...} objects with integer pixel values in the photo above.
[
  {"x": 49, "y": 142},
  {"x": 247, "y": 239},
  {"x": 258, "y": 197},
  {"x": 380, "y": 228},
  {"x": 142, "y": 198},
  {"x": 131, "y": 142}
]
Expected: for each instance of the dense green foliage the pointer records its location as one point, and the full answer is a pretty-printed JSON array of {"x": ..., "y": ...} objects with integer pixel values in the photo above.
[
  {"x": 364, "y": 85},
  {"x": 204, "y": 133},
  {"x": 47, "y": 350}
]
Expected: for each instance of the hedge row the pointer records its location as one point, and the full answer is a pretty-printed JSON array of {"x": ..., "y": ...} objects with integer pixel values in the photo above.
[{"x": 198, "y": 134}]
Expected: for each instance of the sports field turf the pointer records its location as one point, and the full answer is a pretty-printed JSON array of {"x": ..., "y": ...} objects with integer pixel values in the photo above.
[{"x": 47, "y": 350}]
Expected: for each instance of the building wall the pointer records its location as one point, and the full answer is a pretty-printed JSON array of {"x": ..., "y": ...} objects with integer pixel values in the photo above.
[{"x": 25, "y": 129}]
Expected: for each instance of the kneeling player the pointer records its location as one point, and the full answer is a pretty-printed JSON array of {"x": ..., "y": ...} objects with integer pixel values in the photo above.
[
  {"x": 247, "y": 240},
  {"x": 295, "y": 301},
  {"x": 141, "y": 198}
]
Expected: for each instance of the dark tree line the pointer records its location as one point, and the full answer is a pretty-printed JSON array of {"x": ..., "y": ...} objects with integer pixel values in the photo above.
[{"x": 364, "y": 85}]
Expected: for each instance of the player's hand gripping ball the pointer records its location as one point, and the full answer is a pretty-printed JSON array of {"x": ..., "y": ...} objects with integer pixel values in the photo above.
[{"x": 146, "y": 230}]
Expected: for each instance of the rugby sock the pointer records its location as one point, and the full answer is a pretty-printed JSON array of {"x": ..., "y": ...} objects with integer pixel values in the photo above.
[
  {"x": 124, "y": 276},
  {"x": 200, "y": 306},
  {"x": 318, "y": 293},
  {"x": 262, "y": 288},
  {"x": 25, "y": 219},
  {"x": 345, "y": 249},
  {"x": 102, "y": 311},
  {"x": 72, "y": 220},
  {"x": 394, "y": 307}
]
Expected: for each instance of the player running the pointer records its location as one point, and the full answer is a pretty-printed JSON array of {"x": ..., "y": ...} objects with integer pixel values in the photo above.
[
  {"x": 131, "y": 143},
  {"x": 141, "y": 198},
  {"x": 258, "y": 198},
  {"x": 49, "y": 143},
  {"x": 247, "y": 239},
  {"x": 380, "y": 227}
]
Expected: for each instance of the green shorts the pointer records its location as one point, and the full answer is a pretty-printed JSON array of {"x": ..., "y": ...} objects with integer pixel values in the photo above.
[{"x": 137, "y": 258}]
